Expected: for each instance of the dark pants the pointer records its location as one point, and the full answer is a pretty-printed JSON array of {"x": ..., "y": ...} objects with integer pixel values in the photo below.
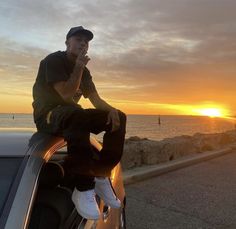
[{"x": 83, "y": 162}]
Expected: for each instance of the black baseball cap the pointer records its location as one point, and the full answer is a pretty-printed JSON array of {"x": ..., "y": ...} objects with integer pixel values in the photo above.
[{"x": 79, "y": 30}]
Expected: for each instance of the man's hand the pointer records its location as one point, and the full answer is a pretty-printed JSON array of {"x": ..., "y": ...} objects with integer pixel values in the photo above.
[
  {"x": 114, "y": 119},
  {"x": 82, "y": 59}
]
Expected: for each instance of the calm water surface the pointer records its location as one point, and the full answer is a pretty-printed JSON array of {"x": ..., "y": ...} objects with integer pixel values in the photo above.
[{"x": 144, "y": 126}]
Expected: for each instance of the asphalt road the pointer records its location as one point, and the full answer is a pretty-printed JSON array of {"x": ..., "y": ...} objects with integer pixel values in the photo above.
[{"x": 199, "y": 196}]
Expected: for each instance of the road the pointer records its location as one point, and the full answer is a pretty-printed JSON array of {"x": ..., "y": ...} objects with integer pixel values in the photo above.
[{"x": 200, "y": 196}]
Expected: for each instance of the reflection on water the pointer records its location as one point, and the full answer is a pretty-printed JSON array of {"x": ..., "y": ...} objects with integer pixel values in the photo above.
[{"x": 175, "y": 125}]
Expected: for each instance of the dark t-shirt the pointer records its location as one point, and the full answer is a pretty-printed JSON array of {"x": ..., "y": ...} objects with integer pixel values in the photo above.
[{"x": 54, "y": 68}]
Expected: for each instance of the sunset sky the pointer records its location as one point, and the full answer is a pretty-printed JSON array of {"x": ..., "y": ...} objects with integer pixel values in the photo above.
[{"x": 147, "y": 57}]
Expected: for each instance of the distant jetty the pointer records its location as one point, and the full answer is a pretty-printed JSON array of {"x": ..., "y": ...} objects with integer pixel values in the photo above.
[{"x": 142, "y": 151}]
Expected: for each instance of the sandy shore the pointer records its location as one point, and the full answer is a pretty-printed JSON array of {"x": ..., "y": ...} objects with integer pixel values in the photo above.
[{"x": 142, "y": 151}]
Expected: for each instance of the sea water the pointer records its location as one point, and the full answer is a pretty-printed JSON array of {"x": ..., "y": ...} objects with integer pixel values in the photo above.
[{"x": 143, "y": 126}]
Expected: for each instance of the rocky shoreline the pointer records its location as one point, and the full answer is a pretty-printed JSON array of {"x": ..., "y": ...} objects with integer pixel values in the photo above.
[{"x": 142, "y": 151}]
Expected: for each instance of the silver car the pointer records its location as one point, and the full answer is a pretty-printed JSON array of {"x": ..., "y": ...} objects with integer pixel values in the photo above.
[{"x": 36, "y": 194}]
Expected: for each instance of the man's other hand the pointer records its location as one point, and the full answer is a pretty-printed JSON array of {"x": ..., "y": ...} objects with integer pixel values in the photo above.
[{"x": 113, "y": 119}]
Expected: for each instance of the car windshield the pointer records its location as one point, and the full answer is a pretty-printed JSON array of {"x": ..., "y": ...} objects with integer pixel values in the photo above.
[{"x": 8, "y": 170}]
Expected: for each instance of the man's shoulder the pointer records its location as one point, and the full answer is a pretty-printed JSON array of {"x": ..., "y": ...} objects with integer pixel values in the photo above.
[{"x": 55, "y": 56}]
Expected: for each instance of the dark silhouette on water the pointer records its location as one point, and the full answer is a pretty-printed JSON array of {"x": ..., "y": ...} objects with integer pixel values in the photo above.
[{"x": 159, "y": 119}]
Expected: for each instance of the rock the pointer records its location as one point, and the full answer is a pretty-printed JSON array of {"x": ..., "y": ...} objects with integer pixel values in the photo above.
[
  {"x": 142, "y": 151},
  {"x": 132, "y": 155},
  {"x": 178, "y": 147},
  {"x": 135, "y": 138}
]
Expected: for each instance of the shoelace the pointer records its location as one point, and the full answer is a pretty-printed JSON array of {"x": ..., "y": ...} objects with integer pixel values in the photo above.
[{"x": 90, "y": 195}]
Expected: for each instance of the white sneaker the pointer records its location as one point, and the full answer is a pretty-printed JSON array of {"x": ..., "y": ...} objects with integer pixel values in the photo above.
[
  {"x": 86, "y": 204},
  {"x": 104, "y": 189}
]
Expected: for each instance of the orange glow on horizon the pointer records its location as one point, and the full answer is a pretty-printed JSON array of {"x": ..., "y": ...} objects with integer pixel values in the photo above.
[{"x": 22, "y": 104}]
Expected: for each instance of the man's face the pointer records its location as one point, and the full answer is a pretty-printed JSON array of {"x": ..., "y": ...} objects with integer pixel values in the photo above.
[{"x": 76, "y": 44}]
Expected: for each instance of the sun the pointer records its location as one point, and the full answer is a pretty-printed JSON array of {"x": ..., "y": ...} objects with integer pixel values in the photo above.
[{"x": 211, "y": 112}]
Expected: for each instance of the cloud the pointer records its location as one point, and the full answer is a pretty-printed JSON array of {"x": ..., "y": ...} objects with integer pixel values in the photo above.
[
  {"x": 19, "y": 59},
  {"x": 168, "y": 51},
  {"x": 18, "y": 67}
]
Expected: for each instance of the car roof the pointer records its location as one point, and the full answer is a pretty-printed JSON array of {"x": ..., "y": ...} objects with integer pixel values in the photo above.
[
  {"x": 14, "y": 143},
  {"x": 19, "y": 143}
]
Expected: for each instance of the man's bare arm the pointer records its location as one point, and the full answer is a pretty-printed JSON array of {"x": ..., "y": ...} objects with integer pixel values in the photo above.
[
  {"x": 113, "y": 116},
  {"x": 67, "y": 89},
  {"x": 99, "y": 103}
]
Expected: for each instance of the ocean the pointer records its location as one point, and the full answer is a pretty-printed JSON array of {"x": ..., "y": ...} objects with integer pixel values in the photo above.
[{"x": 143, "y": 126}]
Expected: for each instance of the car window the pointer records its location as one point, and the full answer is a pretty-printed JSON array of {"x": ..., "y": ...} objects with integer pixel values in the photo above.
[{"x": 8, "y": 170}]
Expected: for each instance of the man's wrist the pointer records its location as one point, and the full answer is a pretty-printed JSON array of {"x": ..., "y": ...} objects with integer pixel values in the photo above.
[{"x": 79, "y": 64}]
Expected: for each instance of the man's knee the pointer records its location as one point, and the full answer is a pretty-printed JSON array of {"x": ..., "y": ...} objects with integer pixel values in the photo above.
[{"x": 122, "y": 117}]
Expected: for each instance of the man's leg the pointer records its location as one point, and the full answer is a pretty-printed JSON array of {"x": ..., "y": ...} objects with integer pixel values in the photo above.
[
  {"x": 77, "y": 125},
  {"x": 71, "y": 122},
  {"x": 95, "y": 121},
  {"x": 113, "y": 142},
  {"x": 110, "y": 154}
]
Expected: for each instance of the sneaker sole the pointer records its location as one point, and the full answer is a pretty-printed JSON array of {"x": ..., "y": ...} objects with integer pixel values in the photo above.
[{"x": 84, "y": 215}]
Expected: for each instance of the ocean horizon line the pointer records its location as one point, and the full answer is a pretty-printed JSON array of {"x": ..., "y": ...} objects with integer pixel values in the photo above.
[
  {"x": 144, "y": 126},
  {"x": 232, "y": 116}
]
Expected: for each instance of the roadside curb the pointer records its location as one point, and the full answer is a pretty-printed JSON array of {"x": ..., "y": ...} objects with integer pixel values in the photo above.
[{"x": 145, "y": 172}]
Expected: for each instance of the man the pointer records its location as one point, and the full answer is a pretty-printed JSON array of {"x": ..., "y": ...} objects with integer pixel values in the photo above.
[{"x": 62, "y": 79}]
